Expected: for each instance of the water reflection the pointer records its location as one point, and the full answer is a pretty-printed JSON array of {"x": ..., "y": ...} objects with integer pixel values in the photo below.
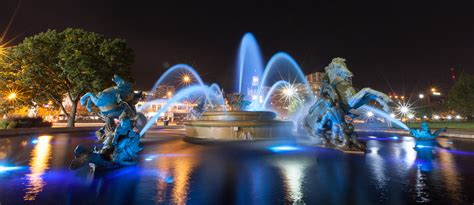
[
  {"x": 38, "y": 164},
  {"x": 293, "y": 172},
  {"x": 449, "y": 173},
  {"x": 376, "y": 163},
  {"x": 175, "y": 170}
]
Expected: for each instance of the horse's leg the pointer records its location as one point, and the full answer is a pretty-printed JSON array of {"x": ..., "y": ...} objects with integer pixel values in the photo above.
[
  {"x": 84, "y": 98},
  {"x": 89, "y": 97}
]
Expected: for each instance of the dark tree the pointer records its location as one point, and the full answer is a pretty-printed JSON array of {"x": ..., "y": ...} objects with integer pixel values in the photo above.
[
  {"x": 461, "y": 96},
  {"x": 64, "y": 65}
]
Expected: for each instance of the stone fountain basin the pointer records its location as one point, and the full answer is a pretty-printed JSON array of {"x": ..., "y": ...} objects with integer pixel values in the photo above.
[{"x": 237, "y": 125}]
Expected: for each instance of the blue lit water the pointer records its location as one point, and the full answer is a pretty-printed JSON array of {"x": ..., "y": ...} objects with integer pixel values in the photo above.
[{"x": 34, "y": 170}]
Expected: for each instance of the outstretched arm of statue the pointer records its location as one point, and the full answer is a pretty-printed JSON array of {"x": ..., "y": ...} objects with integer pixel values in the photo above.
[{"x": 363, "y": 96}]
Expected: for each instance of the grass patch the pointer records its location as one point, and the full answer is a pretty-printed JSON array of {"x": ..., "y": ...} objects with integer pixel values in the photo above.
[{"x": 452, "y": 125}]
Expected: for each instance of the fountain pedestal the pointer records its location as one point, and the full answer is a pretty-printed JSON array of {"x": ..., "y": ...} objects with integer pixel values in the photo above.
[{"x": 238, "y": 125}]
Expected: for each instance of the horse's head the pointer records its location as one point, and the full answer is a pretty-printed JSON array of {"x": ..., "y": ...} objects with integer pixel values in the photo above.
[{"x": 337, "y": 71}]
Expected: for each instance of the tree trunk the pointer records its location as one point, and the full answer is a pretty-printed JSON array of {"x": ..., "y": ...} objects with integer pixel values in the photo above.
[{"x": 71, "y": 118}]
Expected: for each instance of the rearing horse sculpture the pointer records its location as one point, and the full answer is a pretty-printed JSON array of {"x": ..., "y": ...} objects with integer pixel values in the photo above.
[
  {"x": 326, "y": 118},
  {"x": 108, "y": 100},
  {"x": 120, "y": 134}
]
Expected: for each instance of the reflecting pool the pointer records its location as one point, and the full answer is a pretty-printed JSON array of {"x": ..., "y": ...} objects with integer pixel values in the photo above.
[{"x": 34, "y": 169}]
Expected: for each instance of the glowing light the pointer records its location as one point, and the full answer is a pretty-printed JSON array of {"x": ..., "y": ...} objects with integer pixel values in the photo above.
[
  {"x": 421, "y": 96},
  {"x": 394, "y": 137},
  {"x": 425, "y": 116},
  {"x": 2, "y": 50},
  {"x": 169, "y": 94},
  {"x": 370, "y": 114},
  {"x": 8, "y": 168},
  {"x": 433, "y": 89},
  {"x": 289, "y": 93},
  {"x": 148, "y": 158},
  {"x": 449, "y": 117},
  {"x": 11, "y": 96},
  {"x": 458, "y": 117},
  {"x": 372, "y": 137},
  {"x": 254, "y": 80},
  {"x": 437, "y": 93},
  {"x": 283, "y": 148},
  {"x": 404, "y": 109},
  {"x": 423, "y": 146},
  {"x": 392, "y": 115},
  {"x": 35, "y": 141},
  {"x": 186, "y": 79},
  {"x": 436, "y": 117}
]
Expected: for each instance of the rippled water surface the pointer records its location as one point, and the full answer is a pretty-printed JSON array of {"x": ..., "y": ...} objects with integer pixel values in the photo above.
[{"x": 34, "y": 169}]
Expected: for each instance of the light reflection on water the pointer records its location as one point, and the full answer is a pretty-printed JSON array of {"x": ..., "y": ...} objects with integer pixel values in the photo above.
[
  {"x": 449, "y": 172},
  {"x": 376, "y": 163},
  {"x": 179, "y": 173},
  {"x": 38, "y": 165},
  {"x": 175, "y": 171},
  {"x": 293, "y": 172}
]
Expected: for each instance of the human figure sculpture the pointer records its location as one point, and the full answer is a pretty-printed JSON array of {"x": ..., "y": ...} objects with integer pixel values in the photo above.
[
  {"x": 120, "y": 134},
  {"x": 237, "y": 101},
  {"x": 197, "y": 110},
  {"x": 327, "y": 117},
  {"x": 424, "y": 133}
]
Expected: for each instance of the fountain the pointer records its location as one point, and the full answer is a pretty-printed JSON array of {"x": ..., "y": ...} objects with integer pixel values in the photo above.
[
  {"x": 238, "y": 124},
  {"x": 250, "y": 116}
]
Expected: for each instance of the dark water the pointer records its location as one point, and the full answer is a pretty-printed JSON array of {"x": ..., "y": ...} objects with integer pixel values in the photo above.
[{"x": 33, "y": 170}]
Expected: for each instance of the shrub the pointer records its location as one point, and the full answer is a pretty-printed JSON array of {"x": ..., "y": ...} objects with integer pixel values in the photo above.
[{"x": 24, "y": 122}]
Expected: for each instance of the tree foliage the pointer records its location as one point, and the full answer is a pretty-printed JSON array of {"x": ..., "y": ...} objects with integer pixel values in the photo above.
[
  {"x": 53, "y": 65},
  {"x": 461, "y": 96}
]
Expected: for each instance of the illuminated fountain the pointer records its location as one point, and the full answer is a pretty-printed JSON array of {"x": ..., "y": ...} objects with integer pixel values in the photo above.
[
  {"x": 256, "y": 86},
  {"x": 255, "y": 121}
]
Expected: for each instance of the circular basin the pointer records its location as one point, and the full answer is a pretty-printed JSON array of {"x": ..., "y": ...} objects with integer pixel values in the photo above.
[{"x": 238, "y": 125}]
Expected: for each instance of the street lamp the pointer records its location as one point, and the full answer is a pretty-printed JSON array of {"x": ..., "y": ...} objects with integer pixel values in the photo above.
[
  {"x": 2, "y": 50},
  {"x": 186, "y": 79},
  {"x": 12, "y": 96}
]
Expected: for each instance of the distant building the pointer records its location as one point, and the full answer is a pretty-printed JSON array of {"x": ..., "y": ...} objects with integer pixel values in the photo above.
[
  {"x": 315, "y": 81},
  {"x": 164, "y": 91}
]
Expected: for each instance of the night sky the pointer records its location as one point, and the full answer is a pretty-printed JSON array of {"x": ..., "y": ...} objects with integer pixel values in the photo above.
[{"x": 398, "y": 45}]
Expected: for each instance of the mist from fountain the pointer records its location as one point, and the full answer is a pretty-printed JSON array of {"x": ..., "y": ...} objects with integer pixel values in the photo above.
[
  {"x": 279, "y": 62},
  {"x": 249, "y": 63},
  {"x": 273, "y": 89},
  {"x": 191, "y": 92},
  {"x": 147, "y": 104},
  {"x": 216, "y": 90},
  {"x": 385, "y": 115},
  {"x": 173, "y": 72}
]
